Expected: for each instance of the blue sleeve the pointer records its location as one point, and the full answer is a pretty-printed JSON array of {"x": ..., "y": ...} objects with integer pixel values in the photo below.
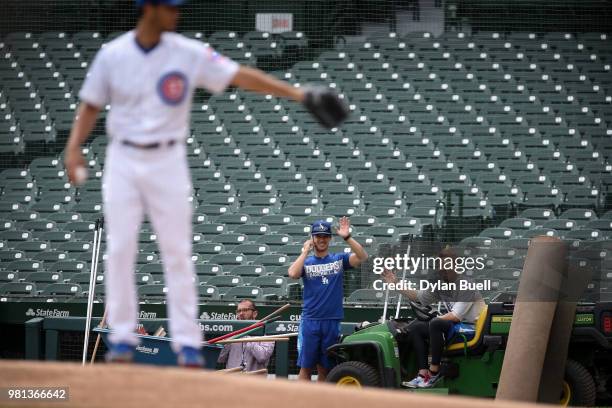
[{"x": 345, "y": 260}]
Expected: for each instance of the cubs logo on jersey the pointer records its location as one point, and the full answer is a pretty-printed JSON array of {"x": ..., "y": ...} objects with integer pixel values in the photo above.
[{"x": 172, "y": 87}]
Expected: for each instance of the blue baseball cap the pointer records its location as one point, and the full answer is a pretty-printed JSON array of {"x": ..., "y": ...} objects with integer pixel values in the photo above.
[
  {"x": 141, "y": 3},
  {"x": 321, "y": 228}
]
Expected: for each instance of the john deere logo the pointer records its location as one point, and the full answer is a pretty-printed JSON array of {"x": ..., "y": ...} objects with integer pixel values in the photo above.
[{"x": 584, "y": 319}]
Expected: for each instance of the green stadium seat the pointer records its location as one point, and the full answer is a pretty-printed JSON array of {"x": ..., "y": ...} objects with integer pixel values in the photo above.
[
  {"x": 271, "y": 260},
  {"x": 233, "y": 220},
  {"x": 40, "y": 225},
  {"x": 274, "y": 220},
  {"x": 604, "y": 225},
  {"x": 13, "y": 236},
  {"x": 15, "y": 174},
  {"x": 538, "y": 215},
  {"x": 540, "y": 231},
  {"x": 405, "y": 225},
  {"x": 584, "y": 234},
  {"x": 62, "y": 290},
  {"x": 22, "y": 198},
  {"x": 255, "y": 211},
  {"x": 518, "y": 224},
  {"x": 243, "y": 292},
  {"x": 210, "y": 230},
  {"x": 500, "y": 257},
  {"x": 153, "y": 292},
  {"x": 383, "y": 212},
  {"x": 298, "y": 212},
  {"x": 82, "y": 278},
  {"x": 275, "y": 241},
  {"x": 145, "y": 258},
  {"x": 306, "y": 200},
  {"x": 580, "y": 216},
  {"x": 154, "y": 268},
  {"x": 292, "y": 250},
  {"x": 146, "y": 279},
  {"x": 50, "y": 206},
  {"x": 208, "y": 292},
  {"x": 213, "y": 210},
  {"x": 68, "y": 267},
  {"x": 224, "y": 282},
  {"x": 14, "y": 186},
  {"x": 23, "y": 215},
  {"x": 498, "y": 233},
  {"x": 384, "y": 233},
  {"x": 228, "y": 259},
  {"x": 61, "y": 218},
  {"x": 8, "y": 255},
  {"x": 209, "y": 248},
  {"x": 295, "y": 231},
  {"x": 32, "y": 248},
  {"x": 230, "y": 239},
  {"x": 252, "y": 230},
  {"x": 18, "y": 289},
  {"x": 271, "y": 282},
  {"x": 248, "y": 272},
  {"x": 251, "y": 251},
  {"x": 8, "y": 276},
  {"x": 228, "y": 201},
  {"x": 42, "y": 279},
  {"x": 582, "y": 197},
  {"x": 75, "y": 247}
]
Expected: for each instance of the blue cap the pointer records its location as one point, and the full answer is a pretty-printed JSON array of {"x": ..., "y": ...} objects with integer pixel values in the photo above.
[
  {"x": 141, "y": 3},
  {"x": 321, "y": 228}
]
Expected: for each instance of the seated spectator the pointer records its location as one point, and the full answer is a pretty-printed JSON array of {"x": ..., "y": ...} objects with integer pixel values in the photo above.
[{"x": 250, "y": 356}]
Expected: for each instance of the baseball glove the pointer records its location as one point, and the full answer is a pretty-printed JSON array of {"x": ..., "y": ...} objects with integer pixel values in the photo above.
[{"x": 329, "y": 110}]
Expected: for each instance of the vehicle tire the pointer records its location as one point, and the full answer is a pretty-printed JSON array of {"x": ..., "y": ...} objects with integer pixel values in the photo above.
[
  {"x": 354, "y": 374},
  {"x": 580, "y": 384}
]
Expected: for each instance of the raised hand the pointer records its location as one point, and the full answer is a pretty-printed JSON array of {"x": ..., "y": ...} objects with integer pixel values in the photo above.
[{"x": 344, "y": 227}]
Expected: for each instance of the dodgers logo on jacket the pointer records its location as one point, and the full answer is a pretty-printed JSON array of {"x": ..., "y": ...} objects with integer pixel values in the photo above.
[{"x": 172, "y": 87}]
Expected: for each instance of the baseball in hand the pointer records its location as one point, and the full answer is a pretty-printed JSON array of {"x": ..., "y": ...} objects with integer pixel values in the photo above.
[{"x": 80, "y": 175}]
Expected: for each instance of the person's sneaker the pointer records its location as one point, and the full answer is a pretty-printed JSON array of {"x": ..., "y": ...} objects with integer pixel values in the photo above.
[
  {"x": 430, "y": 380},
  {"x": 120, "y": 353},
  {"x": 414, "y": 383},
  {"x": 190, "y": 357}
]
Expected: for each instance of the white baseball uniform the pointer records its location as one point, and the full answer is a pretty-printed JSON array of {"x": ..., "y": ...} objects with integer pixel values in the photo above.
[{"x": 150, "y": 93}]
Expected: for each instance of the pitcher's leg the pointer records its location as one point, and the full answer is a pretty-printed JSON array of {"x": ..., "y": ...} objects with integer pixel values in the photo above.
[
  {"x": 123, "y": 213},
  {"x": 170, "y": 213}
]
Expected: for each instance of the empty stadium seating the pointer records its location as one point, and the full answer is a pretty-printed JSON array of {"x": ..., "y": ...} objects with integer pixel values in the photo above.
[{"x": 499, "y": 138}]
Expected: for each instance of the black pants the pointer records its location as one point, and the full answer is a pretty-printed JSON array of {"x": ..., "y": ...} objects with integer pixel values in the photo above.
[{"x": 423, "y": 335}]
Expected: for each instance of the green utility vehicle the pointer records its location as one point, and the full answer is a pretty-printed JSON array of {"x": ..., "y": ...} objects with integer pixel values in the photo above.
[{"x": 377, "y": 355}]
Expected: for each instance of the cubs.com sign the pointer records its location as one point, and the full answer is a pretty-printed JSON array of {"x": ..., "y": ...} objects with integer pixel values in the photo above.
[{"x": 274, "y": 22}]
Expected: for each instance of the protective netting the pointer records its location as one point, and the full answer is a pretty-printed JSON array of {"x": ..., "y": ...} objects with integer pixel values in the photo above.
[{"x": 483, "y": 123}]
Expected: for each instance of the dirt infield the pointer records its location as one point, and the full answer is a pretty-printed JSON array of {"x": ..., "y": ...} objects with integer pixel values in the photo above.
[{"x": 144, "y": 386}]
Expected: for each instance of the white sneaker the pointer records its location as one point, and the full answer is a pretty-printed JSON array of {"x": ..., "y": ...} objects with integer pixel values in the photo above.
[
  {"x": 414, "y": 383},
  {"x": 429, "y": 381}
]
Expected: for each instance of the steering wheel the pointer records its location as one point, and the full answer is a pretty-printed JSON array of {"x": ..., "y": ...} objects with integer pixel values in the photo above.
[{"x": 423, "y": 313}]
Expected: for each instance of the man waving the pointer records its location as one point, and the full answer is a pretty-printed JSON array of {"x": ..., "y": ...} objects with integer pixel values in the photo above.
[{"x": 322, "y": 313}]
